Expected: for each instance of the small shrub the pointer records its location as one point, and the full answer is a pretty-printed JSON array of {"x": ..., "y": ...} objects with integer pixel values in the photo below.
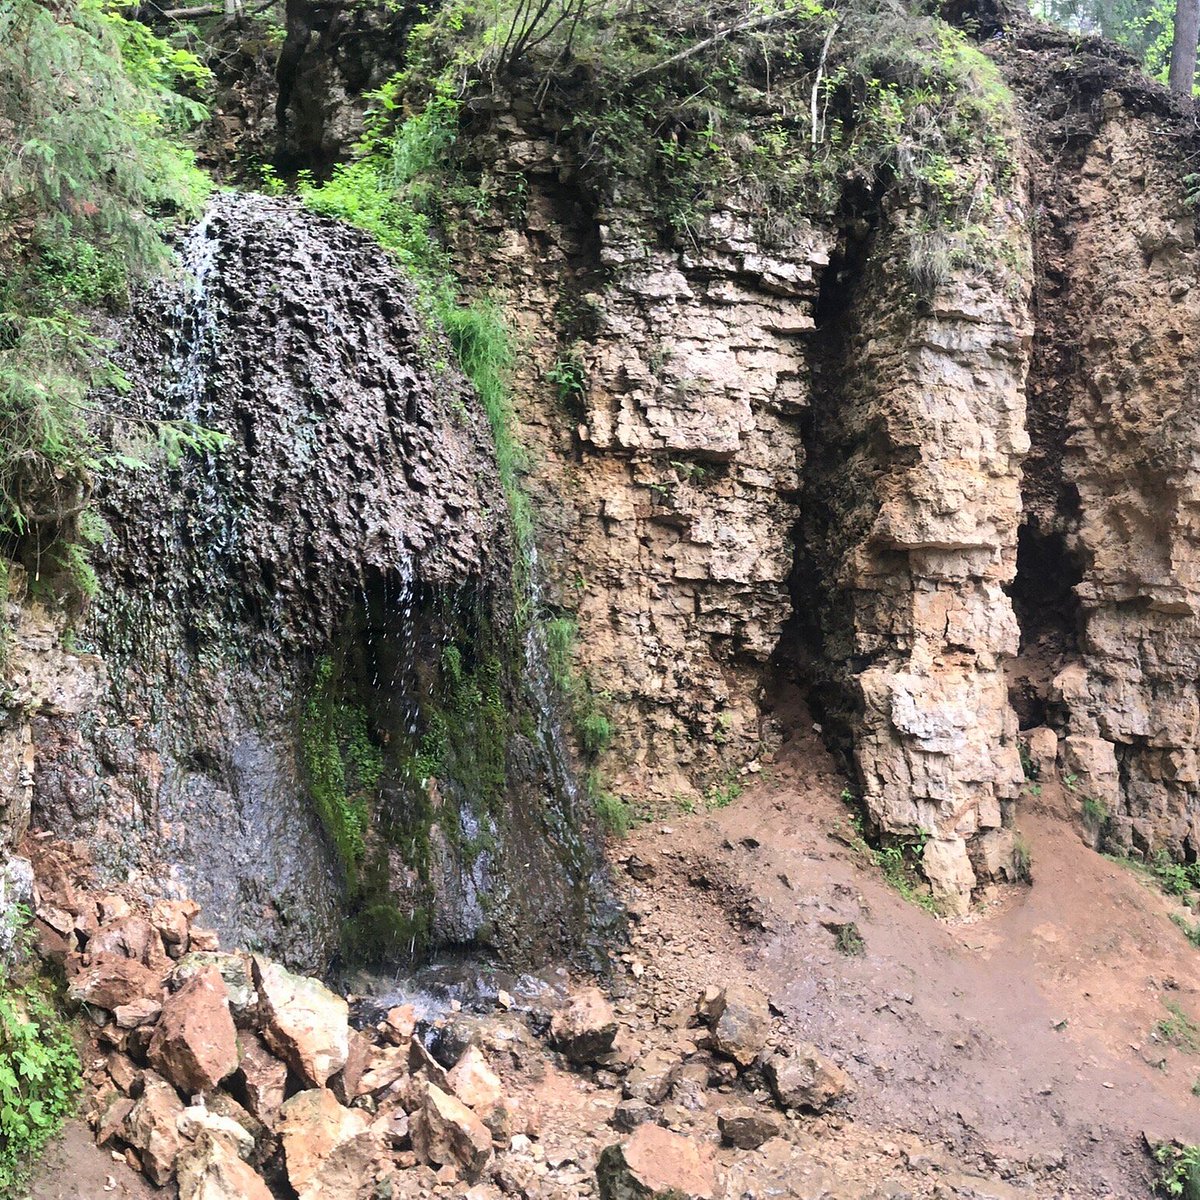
[
  {"x": 39, "y": 1078},
  {"x": 1179, "y": 1170},
  {"x": 615, "y": 814},
  {"x": 1022, "y": 860},
  {"x": 1095, "y": 813},
  {"x": 848, "y": 939}
]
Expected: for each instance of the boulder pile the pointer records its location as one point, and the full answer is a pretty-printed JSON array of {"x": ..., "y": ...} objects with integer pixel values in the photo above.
[{"x": 236, "y": 1079}]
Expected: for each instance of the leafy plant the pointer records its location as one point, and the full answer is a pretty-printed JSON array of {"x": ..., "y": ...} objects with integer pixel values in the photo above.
[
  {"x": 39, "y": 1078},
  {"x": 569, "y": 377},
  {"x": 92, "y": 170},
  {"x": 1179, "y": 1030},
  {"x": 1179, "y": 1170}
]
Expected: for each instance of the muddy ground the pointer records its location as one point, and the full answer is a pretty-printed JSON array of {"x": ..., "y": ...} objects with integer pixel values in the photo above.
[{"x": 1012, "y": 1053}]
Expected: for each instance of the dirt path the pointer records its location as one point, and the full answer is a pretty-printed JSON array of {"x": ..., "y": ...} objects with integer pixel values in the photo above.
[{"x": 1019, "y": 1040}]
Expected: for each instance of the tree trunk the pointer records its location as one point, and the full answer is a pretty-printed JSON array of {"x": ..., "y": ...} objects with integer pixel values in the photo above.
[{"x": 1183, "y": 47}]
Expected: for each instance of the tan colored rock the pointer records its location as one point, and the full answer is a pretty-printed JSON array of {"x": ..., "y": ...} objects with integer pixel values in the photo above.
[
  {"x": 656, "y": 1164},
  {"x": 138, "y": 1012},
  {"x": 652, "y": 1077},
  {"x": 385, "y": 1066},
  {"x": 313, "y": 1127},
  {"x": 197, "y": 1119},
  {"x": 805, "y": 1078},
  {"x": 235, "y": 971},
  {"x": 400, "y": 1024},
  {"x": 152, "y": 1129},
  {"x": 586, "y": 1029},
  {"x": 124, "y": 1073},
  {"x": 263, "y": 1077},
  {"x": 195, "y": 1042},
  {"x": 475, "y": 1083},
  {"x": 211, "y": 1169},
  {"x": 445, "y": 1132},
  {"x": 112, "y": 1118},
  {"x": 743, "y": 1025},
  {"x": 172, "y": 918},
  {"x": 303, "y": 1022},
  {"x": 130, "y": 937}
]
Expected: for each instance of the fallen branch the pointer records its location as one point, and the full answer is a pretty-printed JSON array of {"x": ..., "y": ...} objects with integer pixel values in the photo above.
[
  {"x": 738, "y": 27},
  {"x": 816, "y": 87}
]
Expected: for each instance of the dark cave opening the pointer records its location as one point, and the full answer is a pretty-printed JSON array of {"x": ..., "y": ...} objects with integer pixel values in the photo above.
[{"x": 1048, "y": 614}]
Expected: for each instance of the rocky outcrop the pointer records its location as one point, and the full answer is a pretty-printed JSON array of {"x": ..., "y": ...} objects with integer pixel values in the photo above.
[
  {"x": 1111, "y": 537},
  {"x": 274, "y": 618}
]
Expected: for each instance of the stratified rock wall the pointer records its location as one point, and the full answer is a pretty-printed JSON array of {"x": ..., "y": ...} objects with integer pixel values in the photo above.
[
  {"x": 1117, "y": 370},
  {"x": 665, "y": 483},
  {"x": 912, "y": 504}
]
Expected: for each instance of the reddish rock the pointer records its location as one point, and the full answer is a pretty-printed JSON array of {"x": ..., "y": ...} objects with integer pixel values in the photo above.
[
  {"x": 195, "y": 1043},
  {"x": 656, "y": 1164},
  {"x": 386, "y": 1065},
  {"x": 124, "y": 1074},
  {"x": 110, "y": 981},
  {"x": 586, "y": 1029},
  {"x": 303, "y": 1022},
  {"x": 132, "y": 937},
  {"x": 152, "y": 1129},
  {"x": 346, "y": 1084},
  {"x": 399, "y": 1025},
  {"x": 263, "y": 1077},
  {"x": 445, "y": 1131},
  {"x": 171, "y": 919}
]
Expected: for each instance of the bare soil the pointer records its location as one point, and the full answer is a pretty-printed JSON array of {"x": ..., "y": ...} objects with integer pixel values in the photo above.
[{"x": 1010, "y": 1054}]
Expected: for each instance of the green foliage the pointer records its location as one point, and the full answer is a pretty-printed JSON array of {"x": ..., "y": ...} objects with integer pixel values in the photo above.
[
  {"x": 1191, "y": 930},
  {"x": 343, "y": 765},
  {"x": 592, "y": 727},
  {"x": 380, "y": 934},
  {"x": 724, "y": 792},
  {"x": 91, "y": 171},
  {"x": 1179, "y": 1030},
  {"x": 848, "y": 939},
  {"x": 614, "y": 813},
  {"x": 1145, "y": 28},
  {"x": 1022, "y": 860},
  {"x": 569, "y": 377},
  {"x": 39, "y": 1078},
  {"x": 1179, "y": 1170}
]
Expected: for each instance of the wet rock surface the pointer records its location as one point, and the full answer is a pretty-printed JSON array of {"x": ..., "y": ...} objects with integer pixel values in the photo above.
[{"x": 352, "y": 520}]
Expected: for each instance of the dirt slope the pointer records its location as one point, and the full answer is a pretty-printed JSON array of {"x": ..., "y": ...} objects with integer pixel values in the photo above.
[{"x": 1018, "y": 1040}]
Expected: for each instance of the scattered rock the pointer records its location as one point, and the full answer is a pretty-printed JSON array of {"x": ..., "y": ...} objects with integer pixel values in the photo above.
[
  {"x": 144, "y": 1011},
  {"x": 312, "y": 1125},
  {"x": 197, "y": 1119},
  {"x": 399, "y": 1024},
  {"x": 743, "y": 1024},
  {"x": 195, "y": 1044},
  {"x": 586, "y": 1029},
  {"x": 211, "y": 1169},
  {"x": 805, "y": 1078},
  {"x": 629, "y": 1114},
  {"x": 444, "y": 1131},
  {"x": 262, "y": 1076},
  {"x": 111, "y": 981},
  {"x": 303, "y": 1022},
  {"x": 656, "y": 1164},
  {"x": 235, "y": 971},
  {"x": 746, "y": 1128},
  {"x": 653, "y": 1076},
  {"x": 152, "y": 1129},
  {"x": 475, "y": 1083}
]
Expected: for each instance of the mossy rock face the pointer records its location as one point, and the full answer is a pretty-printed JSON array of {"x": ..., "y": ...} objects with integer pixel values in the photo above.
[{"x": 439, "y": 778}]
